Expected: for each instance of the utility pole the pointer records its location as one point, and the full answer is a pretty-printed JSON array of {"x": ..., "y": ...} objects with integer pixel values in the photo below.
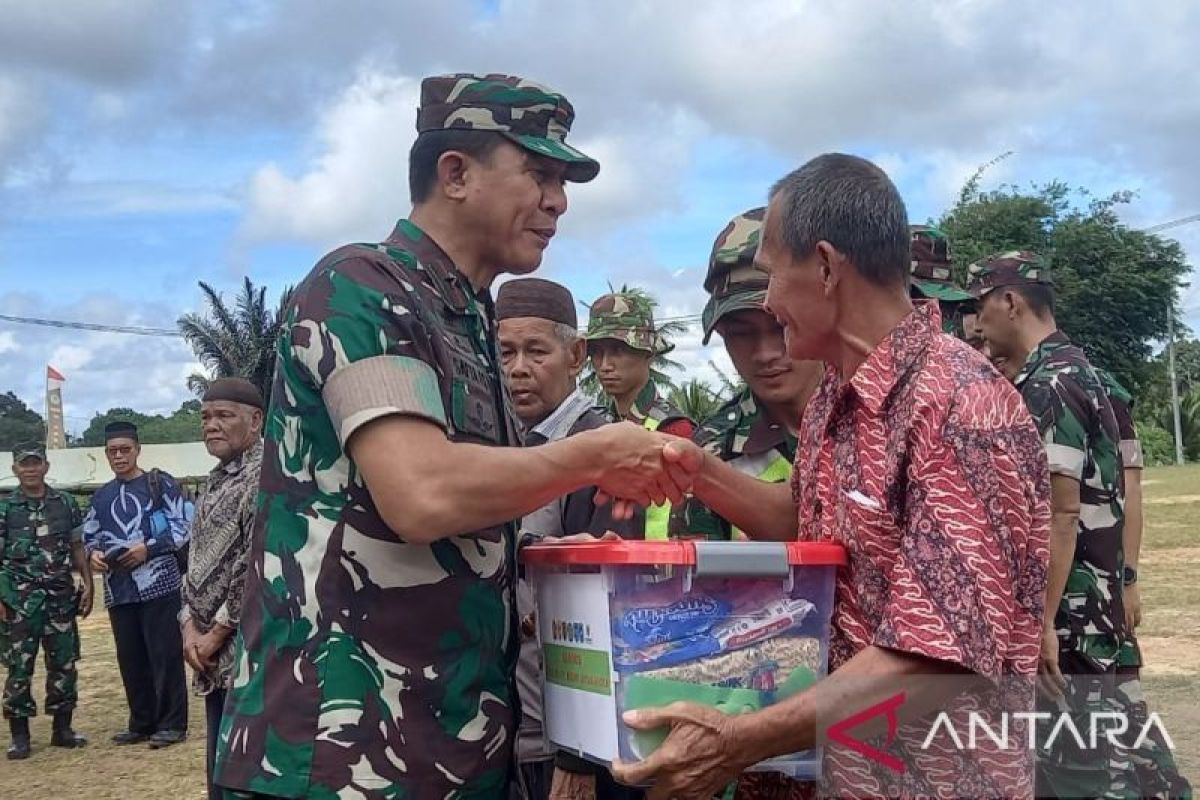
[{"x": 1174, "y": 385}]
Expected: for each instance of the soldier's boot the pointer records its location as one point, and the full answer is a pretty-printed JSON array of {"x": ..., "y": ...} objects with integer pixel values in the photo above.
[
  {"x": 19, "y": 749},
  {"x": 63, "y": 735}
]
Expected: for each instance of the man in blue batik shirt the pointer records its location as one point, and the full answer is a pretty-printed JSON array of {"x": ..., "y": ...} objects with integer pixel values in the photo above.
[{"x": 135, "y": 528}]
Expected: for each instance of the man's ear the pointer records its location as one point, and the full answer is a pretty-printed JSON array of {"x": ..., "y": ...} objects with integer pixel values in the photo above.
[
  {"x": 831, "y": 264},
  {"x": 256, "y": 423},
  {"x": 577, "y": 356},
  {"x": 452, "y": 167},
  {"x": 1014, "y": 304}
]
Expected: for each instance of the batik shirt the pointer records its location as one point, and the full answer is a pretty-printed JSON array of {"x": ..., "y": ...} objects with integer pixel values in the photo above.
[
  {"x": 1082, "y": 441},
  {"x": 926, "y": 467},
  {"x": 741, "y": 434},
  {"x": 123, "y": 513},
  {"x": 369, "y": 666},
  {"x": 217, "y": 557}
]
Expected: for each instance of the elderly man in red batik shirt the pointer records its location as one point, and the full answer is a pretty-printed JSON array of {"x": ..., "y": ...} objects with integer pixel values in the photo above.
[{"x": 922, "y": 460}]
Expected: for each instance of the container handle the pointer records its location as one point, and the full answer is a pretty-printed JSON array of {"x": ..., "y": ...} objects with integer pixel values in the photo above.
[{"x": 742, "y": 559}]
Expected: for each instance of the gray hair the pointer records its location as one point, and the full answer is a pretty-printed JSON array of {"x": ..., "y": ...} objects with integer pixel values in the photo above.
[
  {"x": 852, "y": 204},
  {"x": 565, "y": 333}
]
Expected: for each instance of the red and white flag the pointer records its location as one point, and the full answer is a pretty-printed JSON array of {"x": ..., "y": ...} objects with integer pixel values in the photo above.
[{"x": 54, "y": 378}]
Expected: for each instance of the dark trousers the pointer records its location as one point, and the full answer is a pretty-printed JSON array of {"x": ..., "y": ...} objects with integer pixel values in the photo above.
[
  {"x": 150, "y": 655},
  {"x": 214, "y": 704}
]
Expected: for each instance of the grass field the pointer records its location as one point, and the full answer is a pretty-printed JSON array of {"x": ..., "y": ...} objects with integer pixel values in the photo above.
[{"x": 1170, "y": 637}]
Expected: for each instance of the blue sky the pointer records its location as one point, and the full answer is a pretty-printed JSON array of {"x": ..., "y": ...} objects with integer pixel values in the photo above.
[{"x": 147, "y": 145}]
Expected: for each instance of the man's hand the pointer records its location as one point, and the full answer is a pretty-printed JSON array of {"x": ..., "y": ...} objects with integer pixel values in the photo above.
[
  {"x": 572, "y": 786},
  {"x": 98, "y": 562},
  {"x": 633, "y": 467},
  {"x": 644, "y": 467},
  {"x": 1050, "y": 680},
  {"x": 698, "y": 759},
  {"x": 190, "y": 634},
  {"x": 207, "y": 645},
  {"x": 85, "y": 600},
  {"x": 1133, "y": 606},
  {"x": 134, "y": 557}
]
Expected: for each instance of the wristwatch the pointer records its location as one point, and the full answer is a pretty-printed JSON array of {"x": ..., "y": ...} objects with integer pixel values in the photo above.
[{"x": 1129, "y": 576}]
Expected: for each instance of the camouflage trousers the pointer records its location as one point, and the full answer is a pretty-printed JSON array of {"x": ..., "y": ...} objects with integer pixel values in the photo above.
[
  {"x": 1094, "y": 757},
  {"x": 47, "y": 620}
]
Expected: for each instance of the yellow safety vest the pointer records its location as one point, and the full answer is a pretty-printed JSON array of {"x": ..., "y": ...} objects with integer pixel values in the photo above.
[
  {"x": 658, "y": 517},
  {"x": 778, "y": 471}
]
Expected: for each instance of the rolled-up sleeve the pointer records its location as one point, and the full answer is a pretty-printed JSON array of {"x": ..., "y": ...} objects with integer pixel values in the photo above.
[{"x": 361, "y": 343}]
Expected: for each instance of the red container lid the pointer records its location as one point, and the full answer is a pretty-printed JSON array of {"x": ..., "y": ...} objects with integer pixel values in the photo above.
[{"x": 807, "y": 554}]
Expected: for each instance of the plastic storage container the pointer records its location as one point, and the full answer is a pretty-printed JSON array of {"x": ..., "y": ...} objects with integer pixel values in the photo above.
[{"x": 627, "y": 625}]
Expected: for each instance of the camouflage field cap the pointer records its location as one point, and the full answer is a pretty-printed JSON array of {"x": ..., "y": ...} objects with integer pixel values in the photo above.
[
  {"x": 29, "y": 450},
  {"x": 931, "y": 265},
  {"x": 626, "y": 318},
  {"x": 733, "y": 282},
  {"x": 1014, "y": 268},
  {"x": 525, "y": 112}
]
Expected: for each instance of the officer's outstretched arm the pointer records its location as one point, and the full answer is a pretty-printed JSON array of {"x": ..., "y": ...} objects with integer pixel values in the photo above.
[{"x": 428, "y": 488}]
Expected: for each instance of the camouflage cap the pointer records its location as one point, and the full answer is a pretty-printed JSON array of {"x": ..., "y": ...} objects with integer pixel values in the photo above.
[
  {"x": 525, "y": 112},
  {"x": 932, "y": 275},
  {"x": 1014, "y": 268},
  {"x": 29, "y": 450},
  {"x": 733, "y": 282},
  {"x": 626, "y": 318}
]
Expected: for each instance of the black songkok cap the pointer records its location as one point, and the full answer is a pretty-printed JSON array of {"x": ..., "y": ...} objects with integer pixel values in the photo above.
[
  {"x": 535, "y": 297},
  {"x": 235, "y": 390}
]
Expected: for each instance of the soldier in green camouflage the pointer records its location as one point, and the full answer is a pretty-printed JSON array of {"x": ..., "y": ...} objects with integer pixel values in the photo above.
[
  {"x": 378, "y": 639},
  {"x": 622, "y": 342},
  {"x": 41, "y": 536},
  {"x": 1153, "y": 762},
  {"x": 933, "y": 278},
  {"x": 756, "y": 430},
  {"x": 1086, "y": 630}
]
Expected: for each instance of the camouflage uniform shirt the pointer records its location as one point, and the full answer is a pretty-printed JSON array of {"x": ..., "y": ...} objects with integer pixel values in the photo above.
[
  {"x": 652, "y": 411},
  {"x": 36, "y": 535},
  {"x": 741, "y": 434},
  {"x": 1080, "y": 434},
  {"x": 368, "y": 666}
]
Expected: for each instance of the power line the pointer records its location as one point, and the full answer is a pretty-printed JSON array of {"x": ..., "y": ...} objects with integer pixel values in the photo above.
[
  {"x": 92, "y": 326},
  {"x": 686, "y": 319},
  {"x": 1175, "y": 223}
]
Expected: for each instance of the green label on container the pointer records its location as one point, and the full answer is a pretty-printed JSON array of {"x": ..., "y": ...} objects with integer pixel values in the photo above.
[{"x": 577, "y": 668}]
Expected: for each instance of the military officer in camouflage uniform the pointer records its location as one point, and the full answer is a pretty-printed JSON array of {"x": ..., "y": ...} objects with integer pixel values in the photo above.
[
  {"x": 622, "y": 343},
  {"x": 756, "y": 430},
  {"x": 378, "y": 637},
  {"x": 41, "y": 536},
  {"x": 1153, "y": 762},
  {"x": 1086, "y": 630},
  {"x": 933, "y": 278}
]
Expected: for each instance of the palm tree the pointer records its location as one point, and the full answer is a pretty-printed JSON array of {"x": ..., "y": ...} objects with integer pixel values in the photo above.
[
  {"x": 697, "y": 399},
  {"x": 660, "y": 365},
  {"x": 238, "y": 341}
]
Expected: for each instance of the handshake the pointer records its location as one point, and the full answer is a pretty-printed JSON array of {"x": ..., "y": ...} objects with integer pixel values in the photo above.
[{"x": 637, "y": 467}]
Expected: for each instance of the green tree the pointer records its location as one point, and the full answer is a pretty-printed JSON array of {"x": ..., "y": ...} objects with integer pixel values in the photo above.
[
  {"x": 181, "y": 426},
  {"x": 660, "y": 365},
  {"x": 696, "y": 398},
  {"x": 19, "y": 423},
  {"x": 236, "y": 341},
  {"x": 1114, "y": 285}
]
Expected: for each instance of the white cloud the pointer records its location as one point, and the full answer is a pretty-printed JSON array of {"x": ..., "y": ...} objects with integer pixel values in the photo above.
[
  {"x": 22, "y": 121},
  {"x": 103, "y": 370},
  {"x": 99, "y": 41},
  {"x": 357, "y": 184}
]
